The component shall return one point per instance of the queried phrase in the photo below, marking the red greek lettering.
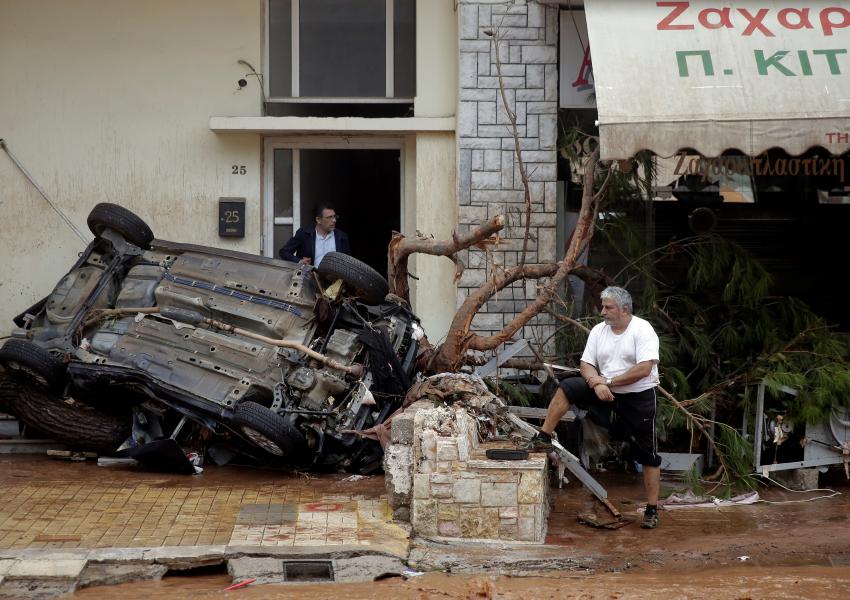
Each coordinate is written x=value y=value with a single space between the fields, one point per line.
x=802 y=18
x=829 y=25
x=666 y=24
x=756 y=22
x=725 y=18
x=584 y=71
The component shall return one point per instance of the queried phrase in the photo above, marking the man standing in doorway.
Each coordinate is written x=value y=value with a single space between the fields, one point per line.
x=310 y=244
x=619 y=365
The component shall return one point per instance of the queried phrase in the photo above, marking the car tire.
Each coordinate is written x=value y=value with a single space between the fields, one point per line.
x=506 y=454
x=366 y=281
x=267 y=429
x=77 y=425
x=124 y=222
x=33 y=365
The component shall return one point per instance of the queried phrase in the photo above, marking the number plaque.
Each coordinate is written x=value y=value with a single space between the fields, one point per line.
x=231 y=217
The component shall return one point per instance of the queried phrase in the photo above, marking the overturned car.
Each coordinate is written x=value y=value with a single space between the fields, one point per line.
x=145 y=339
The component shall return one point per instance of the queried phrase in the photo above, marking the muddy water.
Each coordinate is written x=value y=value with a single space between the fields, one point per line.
x=711 y=584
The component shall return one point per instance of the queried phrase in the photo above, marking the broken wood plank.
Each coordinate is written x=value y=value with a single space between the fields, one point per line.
x=528 y=412
x=71 y=454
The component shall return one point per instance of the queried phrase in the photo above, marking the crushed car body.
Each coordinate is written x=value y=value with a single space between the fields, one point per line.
x=275 y=360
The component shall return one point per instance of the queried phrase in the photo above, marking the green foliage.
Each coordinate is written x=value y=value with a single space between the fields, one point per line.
x=724 y=331
x=738 y=458
x=720 y=329
x=693 y=482
x=514 y=395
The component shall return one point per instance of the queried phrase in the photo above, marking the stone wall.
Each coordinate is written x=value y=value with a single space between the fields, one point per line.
x=456 y=492
x=488 y=177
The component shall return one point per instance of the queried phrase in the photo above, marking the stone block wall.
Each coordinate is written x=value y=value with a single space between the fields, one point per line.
x=526 y=39
x=457 y=493
x=398 y=460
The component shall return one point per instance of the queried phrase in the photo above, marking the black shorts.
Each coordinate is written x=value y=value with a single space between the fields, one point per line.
x=633 y=416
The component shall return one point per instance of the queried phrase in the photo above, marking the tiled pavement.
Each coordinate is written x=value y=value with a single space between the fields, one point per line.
x=77 y=510
x=82 y=506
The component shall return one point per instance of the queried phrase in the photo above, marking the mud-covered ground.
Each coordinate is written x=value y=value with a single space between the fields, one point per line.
x=738 y=583
x=795 y=545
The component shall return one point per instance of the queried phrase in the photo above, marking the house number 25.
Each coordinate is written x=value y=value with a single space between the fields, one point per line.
x=238 y=170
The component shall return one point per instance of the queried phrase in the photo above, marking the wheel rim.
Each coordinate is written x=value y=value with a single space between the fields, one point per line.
x=262 y=441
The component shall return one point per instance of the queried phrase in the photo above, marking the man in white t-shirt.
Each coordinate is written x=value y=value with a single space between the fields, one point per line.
x=619 y=365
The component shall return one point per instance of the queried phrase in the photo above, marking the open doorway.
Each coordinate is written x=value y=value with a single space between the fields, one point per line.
x=362 y=182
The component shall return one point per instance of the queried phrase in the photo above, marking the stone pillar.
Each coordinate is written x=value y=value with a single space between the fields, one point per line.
x=526 y=38
x=460 y=494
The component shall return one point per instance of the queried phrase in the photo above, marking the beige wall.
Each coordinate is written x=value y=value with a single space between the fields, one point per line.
x=437 y=57
x=434 y=203
x=433 y=294
x=109 y=101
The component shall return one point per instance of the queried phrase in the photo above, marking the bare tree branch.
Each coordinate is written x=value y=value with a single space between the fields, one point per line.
x=402 y=247
x=517 y=151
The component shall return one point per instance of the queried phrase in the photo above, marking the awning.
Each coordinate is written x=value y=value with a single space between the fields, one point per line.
x=713 y=76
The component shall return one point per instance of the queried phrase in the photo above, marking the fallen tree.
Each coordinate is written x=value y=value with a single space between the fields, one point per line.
x=633 y=178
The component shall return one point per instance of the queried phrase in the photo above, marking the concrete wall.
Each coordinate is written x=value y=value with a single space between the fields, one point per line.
x=435 y=210
x=109 y=101
x=433 y=203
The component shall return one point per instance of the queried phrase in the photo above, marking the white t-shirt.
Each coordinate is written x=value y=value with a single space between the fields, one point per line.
x=614 y=354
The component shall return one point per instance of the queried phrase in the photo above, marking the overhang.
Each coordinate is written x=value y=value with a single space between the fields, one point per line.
x=718 y=75
x=282 y=125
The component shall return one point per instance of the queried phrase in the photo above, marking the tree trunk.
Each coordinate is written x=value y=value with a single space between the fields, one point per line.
x=401 y=248
x=450 y=356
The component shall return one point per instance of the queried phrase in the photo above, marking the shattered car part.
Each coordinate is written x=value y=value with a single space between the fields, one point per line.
x=246 y=347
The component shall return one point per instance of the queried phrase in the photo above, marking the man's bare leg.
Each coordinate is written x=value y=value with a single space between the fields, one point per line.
x=652 y=484
x=558 y=407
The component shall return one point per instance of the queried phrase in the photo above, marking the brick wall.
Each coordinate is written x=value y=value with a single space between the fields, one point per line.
x=488 y=177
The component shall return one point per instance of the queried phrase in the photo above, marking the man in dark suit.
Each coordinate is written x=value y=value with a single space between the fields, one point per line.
x=310 y=244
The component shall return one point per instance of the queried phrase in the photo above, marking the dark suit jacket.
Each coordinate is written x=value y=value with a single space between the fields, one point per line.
x=303 y=244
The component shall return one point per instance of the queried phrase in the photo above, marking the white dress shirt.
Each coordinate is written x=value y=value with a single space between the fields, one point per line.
x=323 y=246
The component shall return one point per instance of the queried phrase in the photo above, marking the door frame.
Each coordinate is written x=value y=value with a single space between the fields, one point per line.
x=297 y=143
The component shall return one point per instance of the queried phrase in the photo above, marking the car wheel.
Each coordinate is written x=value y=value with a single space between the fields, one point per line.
x=124 y=222
x=267 y=429
x=31 y=364
x=78 y=425
x=366 y=281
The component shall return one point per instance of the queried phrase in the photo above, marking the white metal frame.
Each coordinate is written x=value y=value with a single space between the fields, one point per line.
x=314 y=143
x=389 y=55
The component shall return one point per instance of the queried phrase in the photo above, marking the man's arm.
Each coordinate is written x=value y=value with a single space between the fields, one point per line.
x=637 y=372
x=595 y=382
x=590 y=374
x=290 y=247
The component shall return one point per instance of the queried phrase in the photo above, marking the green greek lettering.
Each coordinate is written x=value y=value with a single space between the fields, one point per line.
x=682 y=60
x=831 y=59
x=774 y=61
x=805 y=64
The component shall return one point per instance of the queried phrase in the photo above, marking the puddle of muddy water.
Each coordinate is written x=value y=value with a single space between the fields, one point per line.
x=740 y=583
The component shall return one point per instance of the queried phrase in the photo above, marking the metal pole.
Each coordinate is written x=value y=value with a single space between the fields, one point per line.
x=40 y=191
